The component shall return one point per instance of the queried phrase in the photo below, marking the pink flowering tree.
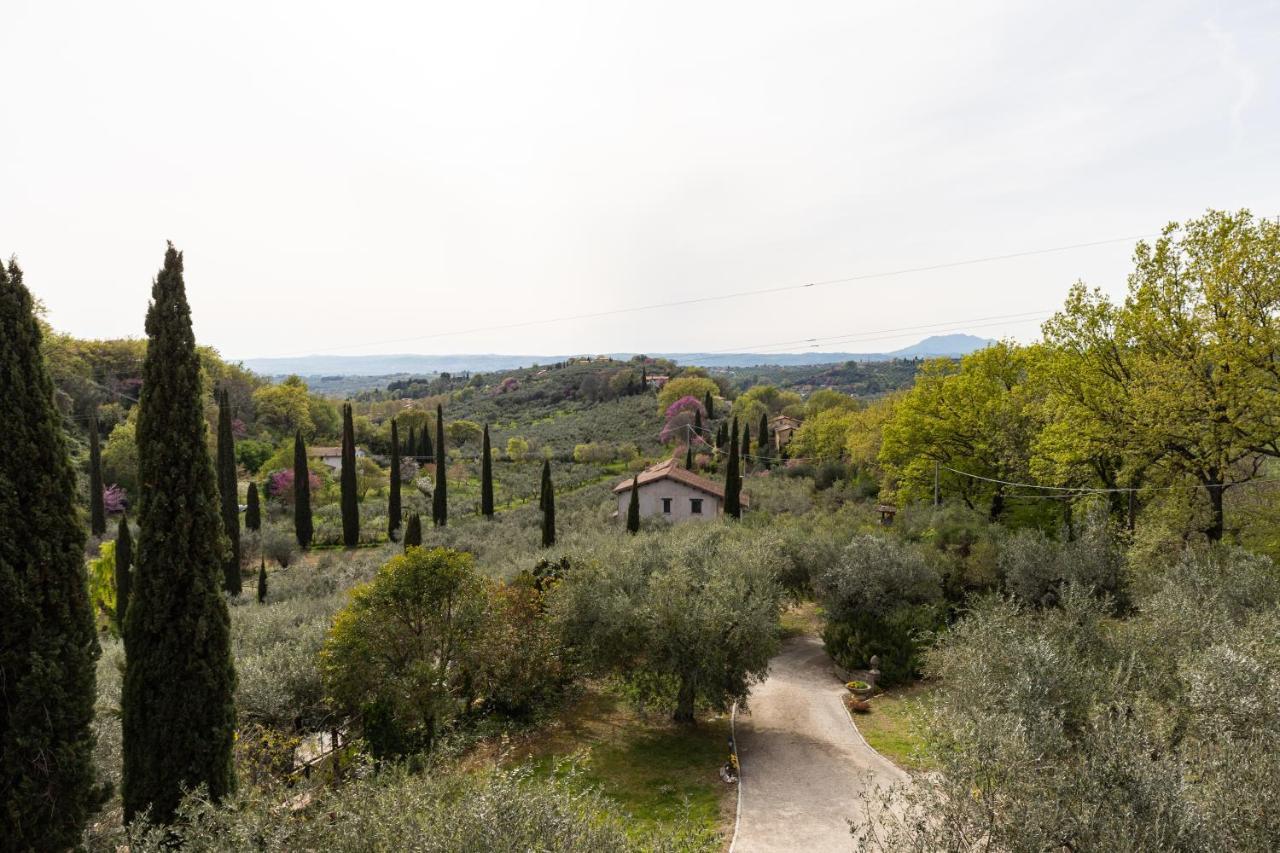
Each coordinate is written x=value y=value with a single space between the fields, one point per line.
x=680 y=419
x=280 y=484
x=114 y=499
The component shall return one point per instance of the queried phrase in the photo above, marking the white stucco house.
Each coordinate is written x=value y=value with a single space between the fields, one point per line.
x=674 y=493
x=331 y=456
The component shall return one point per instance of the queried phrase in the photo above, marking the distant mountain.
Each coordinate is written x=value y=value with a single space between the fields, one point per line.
x=937 y=346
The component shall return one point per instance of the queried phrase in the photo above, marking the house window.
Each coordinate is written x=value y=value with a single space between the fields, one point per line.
x=666 y=506
x=695 y=506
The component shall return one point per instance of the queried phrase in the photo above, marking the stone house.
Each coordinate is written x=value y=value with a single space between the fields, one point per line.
x=674 y=493
x=331 y=456
x=783 y=428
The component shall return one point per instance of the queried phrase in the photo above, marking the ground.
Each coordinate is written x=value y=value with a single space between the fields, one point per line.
x=891 y=729
x=803 y=764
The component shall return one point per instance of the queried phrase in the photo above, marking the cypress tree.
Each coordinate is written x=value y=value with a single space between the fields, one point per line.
x=732 y=480
x=764 y=449
x=97 y=505
x=411 y=445
x=124 y=564
x=252 y=509
x=486 y=476
x=746 y=441
x=633 y=506
x=688 y=455
x=350 y=509
x=426 y=451
x=179 y=681
x=697 y=423
x=413 y=532
x=301 y=493
x=48 y=646
x=393 y=498
x=709 y=404
x=440 y=495
x=229 y=492
x=547 y=500
x=262 y=581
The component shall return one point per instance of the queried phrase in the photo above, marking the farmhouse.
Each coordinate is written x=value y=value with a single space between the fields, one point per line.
x=783 y=427
x=674 y=493
x=331 y=456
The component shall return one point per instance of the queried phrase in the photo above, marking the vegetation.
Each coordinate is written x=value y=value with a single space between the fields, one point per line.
x=302 y=522
x=229 y=495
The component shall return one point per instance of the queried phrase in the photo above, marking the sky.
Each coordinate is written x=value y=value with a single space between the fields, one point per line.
x=428 y=177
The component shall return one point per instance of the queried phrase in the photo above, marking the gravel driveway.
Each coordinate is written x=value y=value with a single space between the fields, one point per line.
x=802 y=764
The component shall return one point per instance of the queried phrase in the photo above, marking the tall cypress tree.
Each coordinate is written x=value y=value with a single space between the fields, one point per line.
x=350 y=508
x=688 y=455
x=486 y=476
x=97 y=504
x=709 y=403
x=252 y=509
x=411 y=445
x=179 y=681
x=746 y=441
x=393 y=495
x=426 y=451
x=48 y=646
x=440 y=495
x=633 y=506
x=697 y=423
x=229 y=493
x=124 y=565
x=301 y=493
x=763 y=449
x=547 y=500
x=262 y=581
x=732 y=479
x=413 y=532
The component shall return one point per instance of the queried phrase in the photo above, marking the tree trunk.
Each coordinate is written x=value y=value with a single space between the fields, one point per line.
x=1216 y=526
x=684 y=702
x=997 y=504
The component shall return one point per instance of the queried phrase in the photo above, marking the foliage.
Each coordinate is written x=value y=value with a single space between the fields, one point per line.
x=102 y=585
x=393 y=654
x=97 y=512
x=120 y=457
x=279 y=544
x=114 y=500
x=880 y=598
x=350 y=506
x=681 y=417
x=302 y=523
x=685 y=386
x=1035 y=569
x=517 y=449
x=179 y=715
x=229 y=495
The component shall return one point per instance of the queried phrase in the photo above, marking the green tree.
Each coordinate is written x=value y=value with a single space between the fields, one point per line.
x=350 y=506
x=393 y=652
x=285 y=408
x=48 y=647
x=733 y=479
x=124 y=567
x=764 y=448
x=413 y=532
x=393 y=498
x=486 y=476
x=517 y=449
x=426 y=451
x=708 y=403
x=746 y=442
x=179 y=682
x=253 y=509
x=633 y=506
x=97 y=508
x=229 y=495
x=262 y=580
x=440 y=494
x=302 y=523
x=696 y=387
x=547 y=503
x=688 y=456
x=411 y=445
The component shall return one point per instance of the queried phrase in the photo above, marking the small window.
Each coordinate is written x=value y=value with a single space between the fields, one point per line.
x=666 y=506
x=695 y=506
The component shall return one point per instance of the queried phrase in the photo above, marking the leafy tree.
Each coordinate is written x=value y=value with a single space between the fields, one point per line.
x=124 y=567
x=696 y=387
x=517 y=449
x=350 y=507
x=285 y=408
x=229 y=495
x=120 y=456
x=463 y=432
x=633 y=507
x=688 y=616
x=486 y=476
x=301 y=493
x=393 y=497
x=440 y=495
x=733 y=479
x=97 y=510
x=253 y=509
x=392 y=655
x=47 y=642
x=547 y=503
x=413 y=532
x=179 y=682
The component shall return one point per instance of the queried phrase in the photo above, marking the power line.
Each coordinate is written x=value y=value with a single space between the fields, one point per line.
x=850 y=336
x=698 y=300
x=1091 y=490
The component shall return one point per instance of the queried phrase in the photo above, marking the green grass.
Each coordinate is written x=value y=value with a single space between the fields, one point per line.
x=656 y=771
x=892 y=730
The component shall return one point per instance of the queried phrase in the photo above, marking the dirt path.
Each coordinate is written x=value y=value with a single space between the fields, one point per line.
x=802 y=764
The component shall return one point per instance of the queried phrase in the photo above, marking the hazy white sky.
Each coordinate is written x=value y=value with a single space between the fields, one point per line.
x=349 y=177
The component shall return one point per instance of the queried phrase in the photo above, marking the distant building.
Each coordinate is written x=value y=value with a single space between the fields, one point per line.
x=674 y=493
x=656 y=380
x=331 y=456
x=783 y=427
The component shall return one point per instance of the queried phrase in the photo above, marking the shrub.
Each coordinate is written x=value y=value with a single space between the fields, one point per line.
x=279 y=544
x=1035 y=569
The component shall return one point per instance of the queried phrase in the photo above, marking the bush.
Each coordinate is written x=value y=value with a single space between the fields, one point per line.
x=880 y=598
x=1035 y=569
x=279 y=543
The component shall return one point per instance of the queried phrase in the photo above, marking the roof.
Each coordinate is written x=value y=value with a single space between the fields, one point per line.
x=788 y=418
x=324 y=451
x=671 y=470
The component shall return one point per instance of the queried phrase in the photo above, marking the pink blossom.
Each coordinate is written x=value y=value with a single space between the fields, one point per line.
x=280 y=484
x=114 y=499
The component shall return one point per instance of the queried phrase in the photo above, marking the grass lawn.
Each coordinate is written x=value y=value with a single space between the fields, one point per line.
x=799 y=620
x=890 y=729
x=656 y=771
